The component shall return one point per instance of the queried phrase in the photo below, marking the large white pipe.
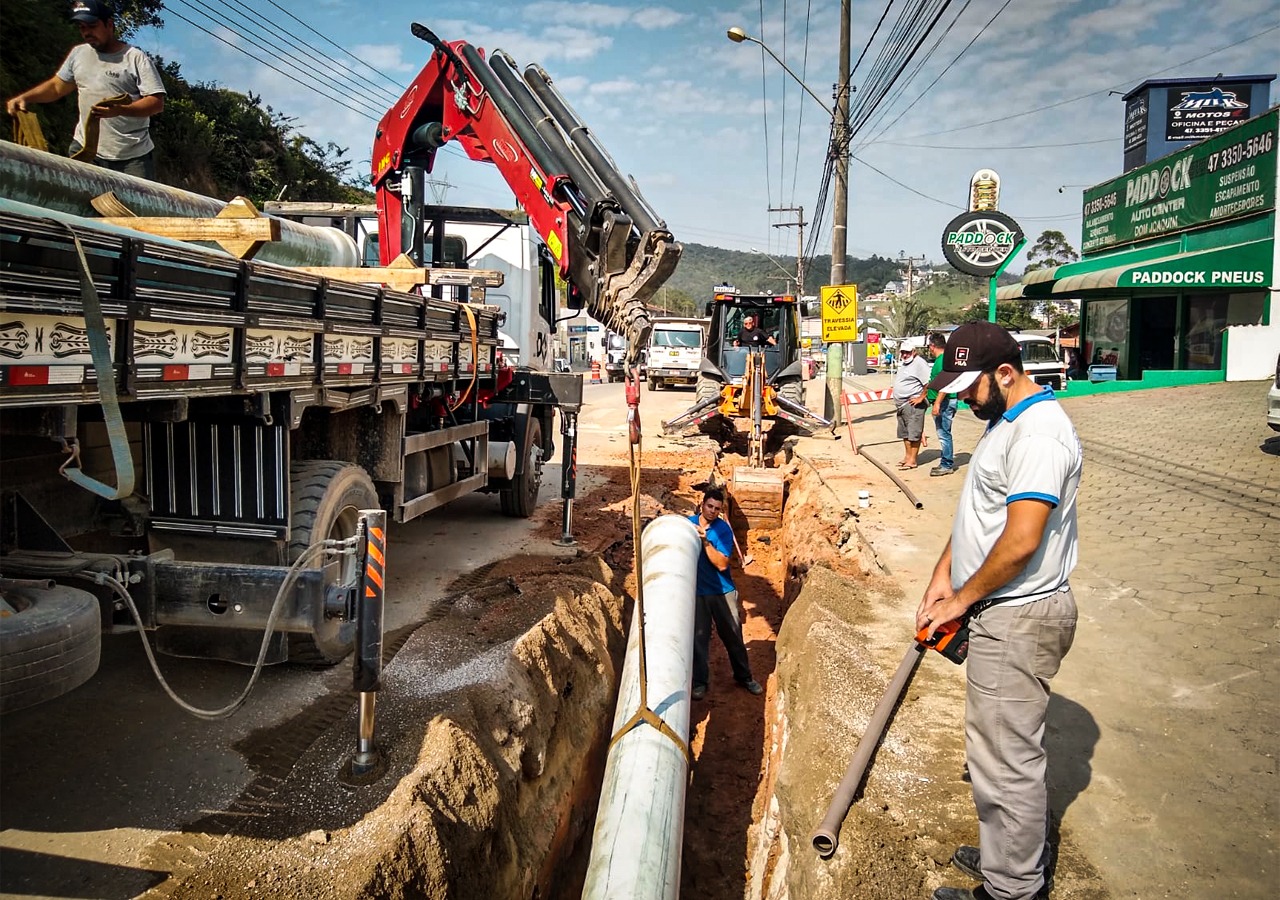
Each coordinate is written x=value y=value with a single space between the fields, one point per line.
x=635 y=851
x=66 y=185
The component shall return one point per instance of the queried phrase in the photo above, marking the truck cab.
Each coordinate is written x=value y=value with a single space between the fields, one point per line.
x=1040 y=360
x=675 y=352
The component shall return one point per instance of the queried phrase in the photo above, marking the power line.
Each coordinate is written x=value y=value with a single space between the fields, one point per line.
x=920 y=65
x=1005 y=147
x=903 y=184
x=1118 y=86
x=311 y=87
x=399 y=87
x=764 y=109
x=980 y=33
x=804 y=67
x=356 y=91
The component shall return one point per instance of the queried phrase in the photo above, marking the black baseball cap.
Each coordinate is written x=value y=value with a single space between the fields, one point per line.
x=90 y=11
x=971 y=350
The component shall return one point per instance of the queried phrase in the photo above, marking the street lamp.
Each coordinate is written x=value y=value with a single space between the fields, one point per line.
x=790 y=275
x=737 y=35
x=840 y=207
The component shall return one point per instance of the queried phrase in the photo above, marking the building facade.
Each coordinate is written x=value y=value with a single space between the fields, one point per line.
x=1179 y=264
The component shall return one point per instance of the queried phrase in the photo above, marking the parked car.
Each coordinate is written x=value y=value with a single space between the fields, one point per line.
x=1273 y=400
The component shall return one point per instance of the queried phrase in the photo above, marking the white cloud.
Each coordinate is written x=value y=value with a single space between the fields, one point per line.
x=385 y=57
x=589 y=15
x=617 y=87
x=654 y=18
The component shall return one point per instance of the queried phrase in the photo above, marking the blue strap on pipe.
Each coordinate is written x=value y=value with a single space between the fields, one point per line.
x=100 y=350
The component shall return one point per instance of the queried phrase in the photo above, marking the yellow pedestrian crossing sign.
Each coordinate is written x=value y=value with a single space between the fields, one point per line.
x=839 y=313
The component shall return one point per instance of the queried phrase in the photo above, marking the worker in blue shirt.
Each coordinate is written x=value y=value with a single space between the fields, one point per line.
x=717 y=598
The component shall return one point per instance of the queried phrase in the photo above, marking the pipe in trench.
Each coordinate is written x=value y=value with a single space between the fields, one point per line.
x=635 y=850
x=55 y=182
x=827 y=835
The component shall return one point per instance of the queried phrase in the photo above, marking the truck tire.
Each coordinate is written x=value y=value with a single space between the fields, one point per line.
x=326 y=499
x=521 y=498
x=652 y=383
x=51 y=645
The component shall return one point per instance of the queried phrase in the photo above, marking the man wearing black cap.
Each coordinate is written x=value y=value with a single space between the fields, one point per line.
x=120 y=89
x=1013 y=545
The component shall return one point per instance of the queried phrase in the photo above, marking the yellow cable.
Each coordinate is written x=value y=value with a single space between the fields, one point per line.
x=475 y=357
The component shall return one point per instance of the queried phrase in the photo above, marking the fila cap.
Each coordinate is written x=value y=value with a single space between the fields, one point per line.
x=971 y=350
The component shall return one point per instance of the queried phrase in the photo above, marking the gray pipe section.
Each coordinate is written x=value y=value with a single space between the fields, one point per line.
x=827 y=836
x=635 y=851
x=902 y=485
x=65 y=185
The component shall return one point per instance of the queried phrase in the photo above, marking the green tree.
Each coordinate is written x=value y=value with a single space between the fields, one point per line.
x=1015 y=314
x=1050 y=249
x=906 y=317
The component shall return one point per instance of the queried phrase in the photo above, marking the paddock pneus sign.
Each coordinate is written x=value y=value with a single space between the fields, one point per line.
x=979 y=243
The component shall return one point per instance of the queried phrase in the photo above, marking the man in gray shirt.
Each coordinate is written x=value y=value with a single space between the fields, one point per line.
x=910 y=399
x=105 y=68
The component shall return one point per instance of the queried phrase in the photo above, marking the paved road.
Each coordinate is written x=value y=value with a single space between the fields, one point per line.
x=1163 y=729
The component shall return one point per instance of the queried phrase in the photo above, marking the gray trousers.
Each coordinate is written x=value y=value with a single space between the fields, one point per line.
x=722 y=609
x=1013 y=653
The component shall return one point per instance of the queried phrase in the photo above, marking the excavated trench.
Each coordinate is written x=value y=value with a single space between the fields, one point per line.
x=494 y=718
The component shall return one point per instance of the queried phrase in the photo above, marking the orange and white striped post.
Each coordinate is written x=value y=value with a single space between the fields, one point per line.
x=595 y=372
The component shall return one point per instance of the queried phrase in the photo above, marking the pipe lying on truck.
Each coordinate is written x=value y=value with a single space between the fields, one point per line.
x=54 y=182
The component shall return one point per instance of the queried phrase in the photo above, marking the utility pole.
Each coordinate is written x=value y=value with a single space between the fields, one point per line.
x=910 y=261
x=840 y=213
x=800 y=223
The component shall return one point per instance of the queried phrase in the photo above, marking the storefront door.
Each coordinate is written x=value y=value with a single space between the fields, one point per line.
x=1156 y=328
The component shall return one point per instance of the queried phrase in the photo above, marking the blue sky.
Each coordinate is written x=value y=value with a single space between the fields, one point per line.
x=715 y=133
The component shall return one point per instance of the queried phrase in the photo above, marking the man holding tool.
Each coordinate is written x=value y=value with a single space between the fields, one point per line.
x=717 y=598
x=1013 y=545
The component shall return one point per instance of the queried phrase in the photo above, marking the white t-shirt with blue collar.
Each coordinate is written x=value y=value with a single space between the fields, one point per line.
x=1031 y=452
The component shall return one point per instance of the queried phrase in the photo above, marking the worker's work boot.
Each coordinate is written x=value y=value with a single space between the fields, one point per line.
x=969 y=861
x=954 y=893
x=977 y=893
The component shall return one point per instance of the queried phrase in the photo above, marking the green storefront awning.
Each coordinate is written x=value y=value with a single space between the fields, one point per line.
x=1013 y=291
x=1236 y=266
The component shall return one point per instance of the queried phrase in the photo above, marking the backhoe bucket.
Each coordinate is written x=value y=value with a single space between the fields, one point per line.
x=759 y=494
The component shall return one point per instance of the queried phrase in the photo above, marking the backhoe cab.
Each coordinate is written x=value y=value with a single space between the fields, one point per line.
x=756 y=386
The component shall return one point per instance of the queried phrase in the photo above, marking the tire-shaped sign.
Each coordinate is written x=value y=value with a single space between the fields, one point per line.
x=979 y=243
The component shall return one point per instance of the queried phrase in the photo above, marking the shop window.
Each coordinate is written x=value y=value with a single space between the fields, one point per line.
x=1106 y=339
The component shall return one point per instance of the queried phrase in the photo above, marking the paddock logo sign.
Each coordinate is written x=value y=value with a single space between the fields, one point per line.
x=980 y=243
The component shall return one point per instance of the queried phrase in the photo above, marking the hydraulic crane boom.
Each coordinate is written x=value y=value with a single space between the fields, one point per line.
x=610 y=247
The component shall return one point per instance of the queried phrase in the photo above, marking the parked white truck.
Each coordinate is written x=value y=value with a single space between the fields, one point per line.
x=675 y=351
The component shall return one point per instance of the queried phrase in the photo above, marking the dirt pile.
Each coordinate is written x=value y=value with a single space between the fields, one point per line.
x=490 y=718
